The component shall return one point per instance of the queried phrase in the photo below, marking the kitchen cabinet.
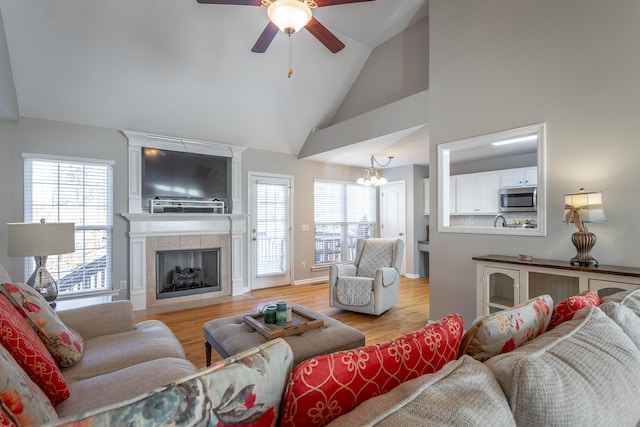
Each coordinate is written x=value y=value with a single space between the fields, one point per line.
x=426 y=196
x=505 y=281
x=520 y=177
x=477 y=193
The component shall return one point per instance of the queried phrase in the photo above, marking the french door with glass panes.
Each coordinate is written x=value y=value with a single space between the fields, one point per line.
x=270 y=229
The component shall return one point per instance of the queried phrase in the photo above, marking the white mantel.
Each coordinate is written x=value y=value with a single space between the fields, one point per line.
x=145 y=225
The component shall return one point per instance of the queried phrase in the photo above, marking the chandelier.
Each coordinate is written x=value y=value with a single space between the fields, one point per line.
x=372 y=175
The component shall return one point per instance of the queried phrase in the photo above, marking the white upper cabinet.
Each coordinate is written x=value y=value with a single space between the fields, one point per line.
x=520 y=177
x=477 y=193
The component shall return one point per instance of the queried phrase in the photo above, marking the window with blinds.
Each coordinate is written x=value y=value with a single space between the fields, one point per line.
x=342 y=213
x=78 y=191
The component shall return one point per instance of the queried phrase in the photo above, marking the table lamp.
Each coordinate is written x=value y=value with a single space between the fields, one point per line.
x=40 y=240
x=580 y=208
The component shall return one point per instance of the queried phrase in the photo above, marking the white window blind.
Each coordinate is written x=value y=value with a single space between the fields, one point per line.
x=272 y=228
x=342 y=213
x=61 y=190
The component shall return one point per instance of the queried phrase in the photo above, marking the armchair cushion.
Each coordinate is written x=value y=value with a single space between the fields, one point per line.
x=376 y=253
x=99 y=319
x=387 y=276
x=354 y=290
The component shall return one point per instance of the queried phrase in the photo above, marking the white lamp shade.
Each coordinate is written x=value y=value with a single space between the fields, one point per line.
x=289 y=14
x=588 y=204
x=40 y=239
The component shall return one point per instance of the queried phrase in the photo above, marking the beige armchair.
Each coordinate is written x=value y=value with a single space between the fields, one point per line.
x=369 y=285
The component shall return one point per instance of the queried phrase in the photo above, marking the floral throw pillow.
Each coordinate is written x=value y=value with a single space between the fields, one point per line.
x=242 y=390
x=325 y=387
x=508 y=329
x=22 y=400
x=568 y=307
x=26 y=348
x=64 y=344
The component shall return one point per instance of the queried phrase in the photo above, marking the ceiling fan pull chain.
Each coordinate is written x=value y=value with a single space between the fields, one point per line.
x=290 y=56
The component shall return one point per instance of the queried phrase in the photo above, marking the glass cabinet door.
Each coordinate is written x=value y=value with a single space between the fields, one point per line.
x=501 y=289
x=609 y=287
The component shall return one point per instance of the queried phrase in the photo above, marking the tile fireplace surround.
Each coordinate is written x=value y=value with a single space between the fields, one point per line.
x=149 y=233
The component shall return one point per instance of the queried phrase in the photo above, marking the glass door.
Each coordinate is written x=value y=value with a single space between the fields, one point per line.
x=270 y=231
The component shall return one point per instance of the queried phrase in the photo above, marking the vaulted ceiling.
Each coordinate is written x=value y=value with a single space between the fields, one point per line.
x=179 y=68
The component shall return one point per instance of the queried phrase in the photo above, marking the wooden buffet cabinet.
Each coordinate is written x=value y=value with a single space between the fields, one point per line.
x=506 y=281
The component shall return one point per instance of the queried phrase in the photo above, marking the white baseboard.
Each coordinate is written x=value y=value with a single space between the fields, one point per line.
x=412 y=276
x=311 y=281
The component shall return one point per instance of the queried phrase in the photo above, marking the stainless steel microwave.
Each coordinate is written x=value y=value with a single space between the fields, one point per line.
x=521 y=199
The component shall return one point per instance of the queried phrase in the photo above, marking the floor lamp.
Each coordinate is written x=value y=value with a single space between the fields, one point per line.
x=40 y=240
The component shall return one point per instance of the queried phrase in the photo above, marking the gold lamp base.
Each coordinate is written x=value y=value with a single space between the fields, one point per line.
x=584 y=242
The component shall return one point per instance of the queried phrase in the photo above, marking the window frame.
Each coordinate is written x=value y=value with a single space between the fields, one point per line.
x=347 y=231
x=104 y=230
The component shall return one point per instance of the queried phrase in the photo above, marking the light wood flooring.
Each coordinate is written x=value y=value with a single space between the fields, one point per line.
x=410 y=312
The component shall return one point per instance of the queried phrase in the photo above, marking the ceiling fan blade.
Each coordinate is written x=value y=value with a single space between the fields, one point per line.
x=234 y=2
x=322 y=3
x=325 y=36
x=265 y=39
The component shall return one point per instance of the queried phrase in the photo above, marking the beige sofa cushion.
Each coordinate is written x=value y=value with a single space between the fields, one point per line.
x=585 y=372
x=102 y=390
x=463 y=393
x=625 y=318
x=149 y=340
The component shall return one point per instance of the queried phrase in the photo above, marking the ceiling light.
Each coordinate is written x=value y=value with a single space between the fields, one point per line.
x=289 y=15
x=514 y=140
x=373 y=176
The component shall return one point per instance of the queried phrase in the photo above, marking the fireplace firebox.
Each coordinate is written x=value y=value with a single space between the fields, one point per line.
x=187 y=272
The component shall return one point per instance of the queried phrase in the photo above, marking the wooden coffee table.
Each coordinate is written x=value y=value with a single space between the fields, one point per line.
x=234 y=334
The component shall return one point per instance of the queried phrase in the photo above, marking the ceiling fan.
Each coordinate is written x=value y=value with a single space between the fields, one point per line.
x=290 y=16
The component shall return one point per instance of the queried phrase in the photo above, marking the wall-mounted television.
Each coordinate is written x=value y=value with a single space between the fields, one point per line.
x=170 y=174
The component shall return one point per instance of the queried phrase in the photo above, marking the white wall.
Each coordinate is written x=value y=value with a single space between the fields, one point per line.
x=60 y=139
x=573 y=64
x=394 y=70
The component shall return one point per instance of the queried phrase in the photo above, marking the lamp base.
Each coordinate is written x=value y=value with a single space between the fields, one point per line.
x=584 y=242
x=42 y=281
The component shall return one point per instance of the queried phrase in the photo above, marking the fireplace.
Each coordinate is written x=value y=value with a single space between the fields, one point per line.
x=187 y=272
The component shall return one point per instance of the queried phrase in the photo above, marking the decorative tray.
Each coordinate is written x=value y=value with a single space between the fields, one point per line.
x=300 y=322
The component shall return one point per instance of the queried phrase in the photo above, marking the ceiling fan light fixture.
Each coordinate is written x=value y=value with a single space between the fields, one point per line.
x=290 y=16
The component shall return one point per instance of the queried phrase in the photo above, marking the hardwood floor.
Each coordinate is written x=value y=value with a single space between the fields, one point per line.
x=410 y=312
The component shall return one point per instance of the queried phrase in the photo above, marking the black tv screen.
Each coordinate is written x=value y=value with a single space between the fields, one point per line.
x=179 y=175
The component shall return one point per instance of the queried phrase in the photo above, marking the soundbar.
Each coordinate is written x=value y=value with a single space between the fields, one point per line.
x=186 y=206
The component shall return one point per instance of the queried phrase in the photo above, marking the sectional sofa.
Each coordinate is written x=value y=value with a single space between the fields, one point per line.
x=573 y=363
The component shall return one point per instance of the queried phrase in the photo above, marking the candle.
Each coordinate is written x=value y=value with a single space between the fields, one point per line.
x=281 y=313
x=270 y=314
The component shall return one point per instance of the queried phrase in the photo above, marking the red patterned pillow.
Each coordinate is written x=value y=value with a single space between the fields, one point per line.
x=325 y=387
x=64 y=344
x=5 y=420
x=26 y=348
x=566 y=308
